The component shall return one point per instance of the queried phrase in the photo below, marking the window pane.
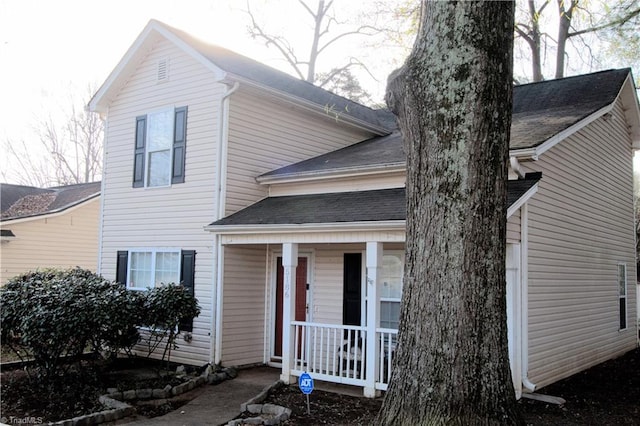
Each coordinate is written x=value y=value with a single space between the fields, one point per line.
x=392 y=270
x=389 y=314
x=159 y=168
x=167 y=268
x=159 y=130
x=140 y=269
x=622 y=279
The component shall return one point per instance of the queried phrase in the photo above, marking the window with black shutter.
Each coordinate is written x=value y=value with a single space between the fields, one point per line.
x=160 y=148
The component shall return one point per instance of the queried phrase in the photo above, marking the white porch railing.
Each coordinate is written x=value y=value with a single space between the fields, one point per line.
x=387 y=338
x=337 y=353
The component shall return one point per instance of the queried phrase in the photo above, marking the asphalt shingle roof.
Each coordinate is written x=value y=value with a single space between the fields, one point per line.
x=20 y=201
x=360 y=206
x=252 y=70
x=540 y=111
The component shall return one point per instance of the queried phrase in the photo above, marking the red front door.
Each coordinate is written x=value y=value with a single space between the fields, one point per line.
x=301 y=298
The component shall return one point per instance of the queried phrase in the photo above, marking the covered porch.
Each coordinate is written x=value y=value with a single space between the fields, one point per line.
x=310 y=311
x=312 y=283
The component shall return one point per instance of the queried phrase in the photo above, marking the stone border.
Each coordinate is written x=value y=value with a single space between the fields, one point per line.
x=270 y=414
x=118 y=409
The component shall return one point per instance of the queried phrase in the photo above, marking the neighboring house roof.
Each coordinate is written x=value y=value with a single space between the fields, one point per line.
x=359 y=206
x=541 y=111
x=20 y=201
x=230 y=66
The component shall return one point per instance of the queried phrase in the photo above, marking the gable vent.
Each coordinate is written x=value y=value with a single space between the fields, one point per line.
x=163 y=70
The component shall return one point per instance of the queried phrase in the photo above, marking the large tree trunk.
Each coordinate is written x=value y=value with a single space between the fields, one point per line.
x=453 y=102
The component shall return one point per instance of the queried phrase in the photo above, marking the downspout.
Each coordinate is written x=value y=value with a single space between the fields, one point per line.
x=215 y=355
x=102 y=185
x=524 y=280
x=516 y=167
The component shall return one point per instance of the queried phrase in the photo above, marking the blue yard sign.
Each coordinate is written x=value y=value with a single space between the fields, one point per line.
x=305 y=382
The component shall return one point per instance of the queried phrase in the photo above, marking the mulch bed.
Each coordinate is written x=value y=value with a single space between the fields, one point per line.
x=608 y=394
x=77 y=394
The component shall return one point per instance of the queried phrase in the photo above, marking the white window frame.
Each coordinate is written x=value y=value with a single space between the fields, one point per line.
x=622 y=294
x=147 y=150
x=400 y=255
x=154 y=252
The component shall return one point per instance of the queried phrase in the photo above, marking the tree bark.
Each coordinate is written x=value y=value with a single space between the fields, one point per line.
x=453 y=101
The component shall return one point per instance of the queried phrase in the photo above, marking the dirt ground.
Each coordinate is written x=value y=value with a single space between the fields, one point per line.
x=608 y=394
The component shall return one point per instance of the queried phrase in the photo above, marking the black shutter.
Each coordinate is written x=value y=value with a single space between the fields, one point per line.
x=187 y=277
x=138 y=159
x=121 y=267
x=352 y=289
x=179 y=145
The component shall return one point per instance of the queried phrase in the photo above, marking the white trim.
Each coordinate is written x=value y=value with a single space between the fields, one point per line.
x=150 y=35
x=528 y=386
x=171 y=111
x=387 y=225
x=127 y=65
x=538 y=150
x=631 y=107
x=624 y=296
x=154 y=251
x=346 y=172
x=308 y=105
x=522 y=200
x=272 y=257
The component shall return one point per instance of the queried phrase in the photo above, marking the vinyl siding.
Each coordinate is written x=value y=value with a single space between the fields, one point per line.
x=265 y=135
x=580 y=227
x=171 y=216
x=243 y=330
x=65 y=240
x=345 y=184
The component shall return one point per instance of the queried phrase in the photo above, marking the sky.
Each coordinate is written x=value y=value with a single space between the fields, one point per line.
x=53 y=50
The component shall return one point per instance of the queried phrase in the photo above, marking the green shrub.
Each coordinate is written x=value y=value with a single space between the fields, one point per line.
x=58 y=314
x=165 y=307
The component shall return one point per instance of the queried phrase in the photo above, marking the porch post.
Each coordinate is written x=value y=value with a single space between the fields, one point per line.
x=289 y=264
x=374 y=268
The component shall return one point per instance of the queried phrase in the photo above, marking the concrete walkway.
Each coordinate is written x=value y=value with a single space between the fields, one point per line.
x=217 y=404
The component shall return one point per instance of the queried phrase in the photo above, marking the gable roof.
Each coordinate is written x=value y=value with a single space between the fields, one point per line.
x=228 y=66
x=546 y=109
x=543 y=114
x=342 y=207
x=19 y=202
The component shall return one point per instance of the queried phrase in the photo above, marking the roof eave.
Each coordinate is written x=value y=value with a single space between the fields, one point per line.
x=536 y=151
x=631 y=107
x=324 y=110
x=385 y=225
x=49 y=214
x=522 y=200
x=331 y=174
x=127 y=65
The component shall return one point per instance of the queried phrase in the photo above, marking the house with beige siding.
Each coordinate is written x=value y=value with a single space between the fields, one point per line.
x=282 y=207
x=48 y=227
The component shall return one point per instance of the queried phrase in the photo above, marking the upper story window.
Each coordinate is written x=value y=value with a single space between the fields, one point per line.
x=160 y=144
